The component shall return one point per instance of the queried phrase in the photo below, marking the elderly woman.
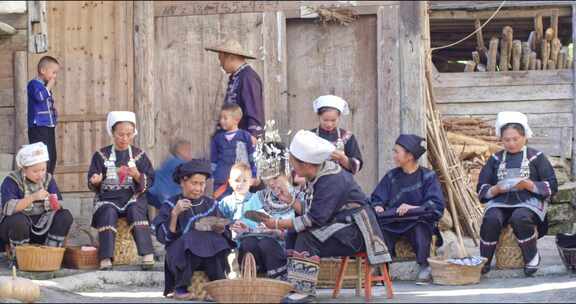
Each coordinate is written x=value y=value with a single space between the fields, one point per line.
x=329 y=109
x=120 y=174
x=515 y=185
x=187 y=248
x=333 y=220
x=266 y=245
x=31 y=212
x=409 y=202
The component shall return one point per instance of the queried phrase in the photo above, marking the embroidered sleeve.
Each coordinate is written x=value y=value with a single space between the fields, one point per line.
x=11 y=195
x=96 y=167
x=381 y=195
x=352 y=150
x=548 y=184
x=161 y=225
x=146 y=171
x=329 y=192
x=487 y=179
x=37 y=91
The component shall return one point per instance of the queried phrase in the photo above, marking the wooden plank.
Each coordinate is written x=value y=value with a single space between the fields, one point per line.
x=388 y=86
x=7 y=122
x=81 y=117
x=37 y=27
x=503 y=14
x=16 y=42
x=18 y=21
x=7 y=97
x=504 y=79
x=482 y=94
x=339 y=60
x=482 y=5
x=543 y=120
x=20 y=98
x=144 y=72
x=532 y=106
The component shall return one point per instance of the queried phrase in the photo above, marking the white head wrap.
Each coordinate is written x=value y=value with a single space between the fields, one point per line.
x=331 y=101
x=115 y=117
x=30 y=155
x=310 y=148
x=505 y=118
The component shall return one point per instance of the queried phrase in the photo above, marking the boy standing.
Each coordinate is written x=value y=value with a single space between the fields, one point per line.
x=42 y=116
x=229 y=146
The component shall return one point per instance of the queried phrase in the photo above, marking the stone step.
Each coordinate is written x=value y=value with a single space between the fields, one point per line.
x=566 y=193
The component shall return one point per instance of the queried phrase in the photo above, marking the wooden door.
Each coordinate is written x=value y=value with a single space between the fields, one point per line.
x=93 y=42
x=339 y=60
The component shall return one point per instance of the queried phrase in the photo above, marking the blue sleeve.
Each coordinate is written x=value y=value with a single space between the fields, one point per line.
x=433 y=195
x=161 y=225
x=53 y=188
x=214 y=152
x=250 y=151
x=225 y=209
x=381 y=195
x=10 y=190
x=37 y=91
x=487 y=178
x=329 y=192
x=251 y=94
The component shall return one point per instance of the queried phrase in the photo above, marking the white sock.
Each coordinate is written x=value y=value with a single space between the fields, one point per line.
x=535 y=261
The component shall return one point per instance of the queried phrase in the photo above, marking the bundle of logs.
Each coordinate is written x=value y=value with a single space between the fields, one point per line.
x=542 y=51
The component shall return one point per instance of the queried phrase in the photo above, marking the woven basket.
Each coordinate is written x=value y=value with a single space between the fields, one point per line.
x=329 y=268
x=508 y=253
x=248 y=289
x=76 y=258
x=568 y=256
x=405 y=252
x=125 y=252
x=199 y=279
x=37 y=258
x=444 y=273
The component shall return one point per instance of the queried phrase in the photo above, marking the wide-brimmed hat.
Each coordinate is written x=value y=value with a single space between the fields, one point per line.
x=231 y=46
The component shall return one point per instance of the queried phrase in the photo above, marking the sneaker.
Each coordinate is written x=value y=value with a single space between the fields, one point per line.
x=424 y=275
x=106 y=264
x=531 y=268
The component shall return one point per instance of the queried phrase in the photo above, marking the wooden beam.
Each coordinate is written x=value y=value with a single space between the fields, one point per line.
x=388 y=67
x=82 y=118
x=37 y=27
x=144 y=72
x=502 y=14
x=6 y=29
x=574 y=92
x=20 y=98
x=474 y=5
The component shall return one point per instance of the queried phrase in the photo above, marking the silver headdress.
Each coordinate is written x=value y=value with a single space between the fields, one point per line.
x=270 y=155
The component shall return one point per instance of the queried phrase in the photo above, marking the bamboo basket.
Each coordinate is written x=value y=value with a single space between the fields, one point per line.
x=125 y=252
x=508 y=253
x=444 y=273
x=199 y=279
x=76 y=258
x=329 y=268
x=37 y=258
x=248 y=289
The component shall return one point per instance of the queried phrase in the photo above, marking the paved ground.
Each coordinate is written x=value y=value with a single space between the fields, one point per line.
x=553 y=289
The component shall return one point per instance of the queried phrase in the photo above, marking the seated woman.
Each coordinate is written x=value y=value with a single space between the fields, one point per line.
x=409 y=202
x=30 y=211
x=188 y=249
x=120 y=174
x=515 y=185
x=347 y=154
x=266 y=245
x=333 y=220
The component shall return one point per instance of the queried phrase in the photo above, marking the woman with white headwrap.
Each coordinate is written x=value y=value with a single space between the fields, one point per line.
x=515 y=185
x=347 y=154
x=120 y=174
x=30 y=210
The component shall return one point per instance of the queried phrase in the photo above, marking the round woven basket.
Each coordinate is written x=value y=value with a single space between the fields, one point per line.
x=568 y=256
x=508 y=253
x=125 y=252
x=36 y=258
x=329 y=268
x=248 y=289
x=76 y=258
x=199 y=280
x=444 y=273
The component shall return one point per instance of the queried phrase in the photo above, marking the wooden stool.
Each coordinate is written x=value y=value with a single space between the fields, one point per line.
x=368 y=277
x=125 y=252
x=508 y=253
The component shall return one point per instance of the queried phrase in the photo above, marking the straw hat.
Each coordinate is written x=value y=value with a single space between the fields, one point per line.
x=231 y=46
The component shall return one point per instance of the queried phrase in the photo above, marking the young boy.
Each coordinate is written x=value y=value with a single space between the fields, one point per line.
x=229 y=146
x=42 y=116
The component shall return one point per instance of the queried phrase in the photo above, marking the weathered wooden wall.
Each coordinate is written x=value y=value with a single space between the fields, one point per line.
x=9 y=45
x=545 y=96
x=93 y=42
x=342 y=61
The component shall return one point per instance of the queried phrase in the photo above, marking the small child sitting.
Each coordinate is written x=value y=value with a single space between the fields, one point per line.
x=229 y=146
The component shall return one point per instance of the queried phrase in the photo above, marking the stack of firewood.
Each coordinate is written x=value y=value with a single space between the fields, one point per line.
x=542 y=51
x=471 y=126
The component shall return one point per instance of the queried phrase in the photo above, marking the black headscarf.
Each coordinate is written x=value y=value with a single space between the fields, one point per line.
x=414 y=144
x=195 y=166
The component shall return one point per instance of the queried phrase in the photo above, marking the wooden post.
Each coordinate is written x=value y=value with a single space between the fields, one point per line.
x=573 y=92
x=554 y=22
x=144 y=72
x=37 y=27
x=525 y=57
x=516 y=54
x=554 y=51
x=388 y=69
x=539 y=30
x=20 y=99
x=492 y=54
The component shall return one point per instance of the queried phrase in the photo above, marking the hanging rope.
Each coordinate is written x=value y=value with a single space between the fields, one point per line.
x=473 y=33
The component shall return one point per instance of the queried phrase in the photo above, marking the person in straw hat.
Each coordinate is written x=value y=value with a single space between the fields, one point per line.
x=121 y=174
x=515 y=186
x=334 y=218
x=244 y=85
x=30 y=209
